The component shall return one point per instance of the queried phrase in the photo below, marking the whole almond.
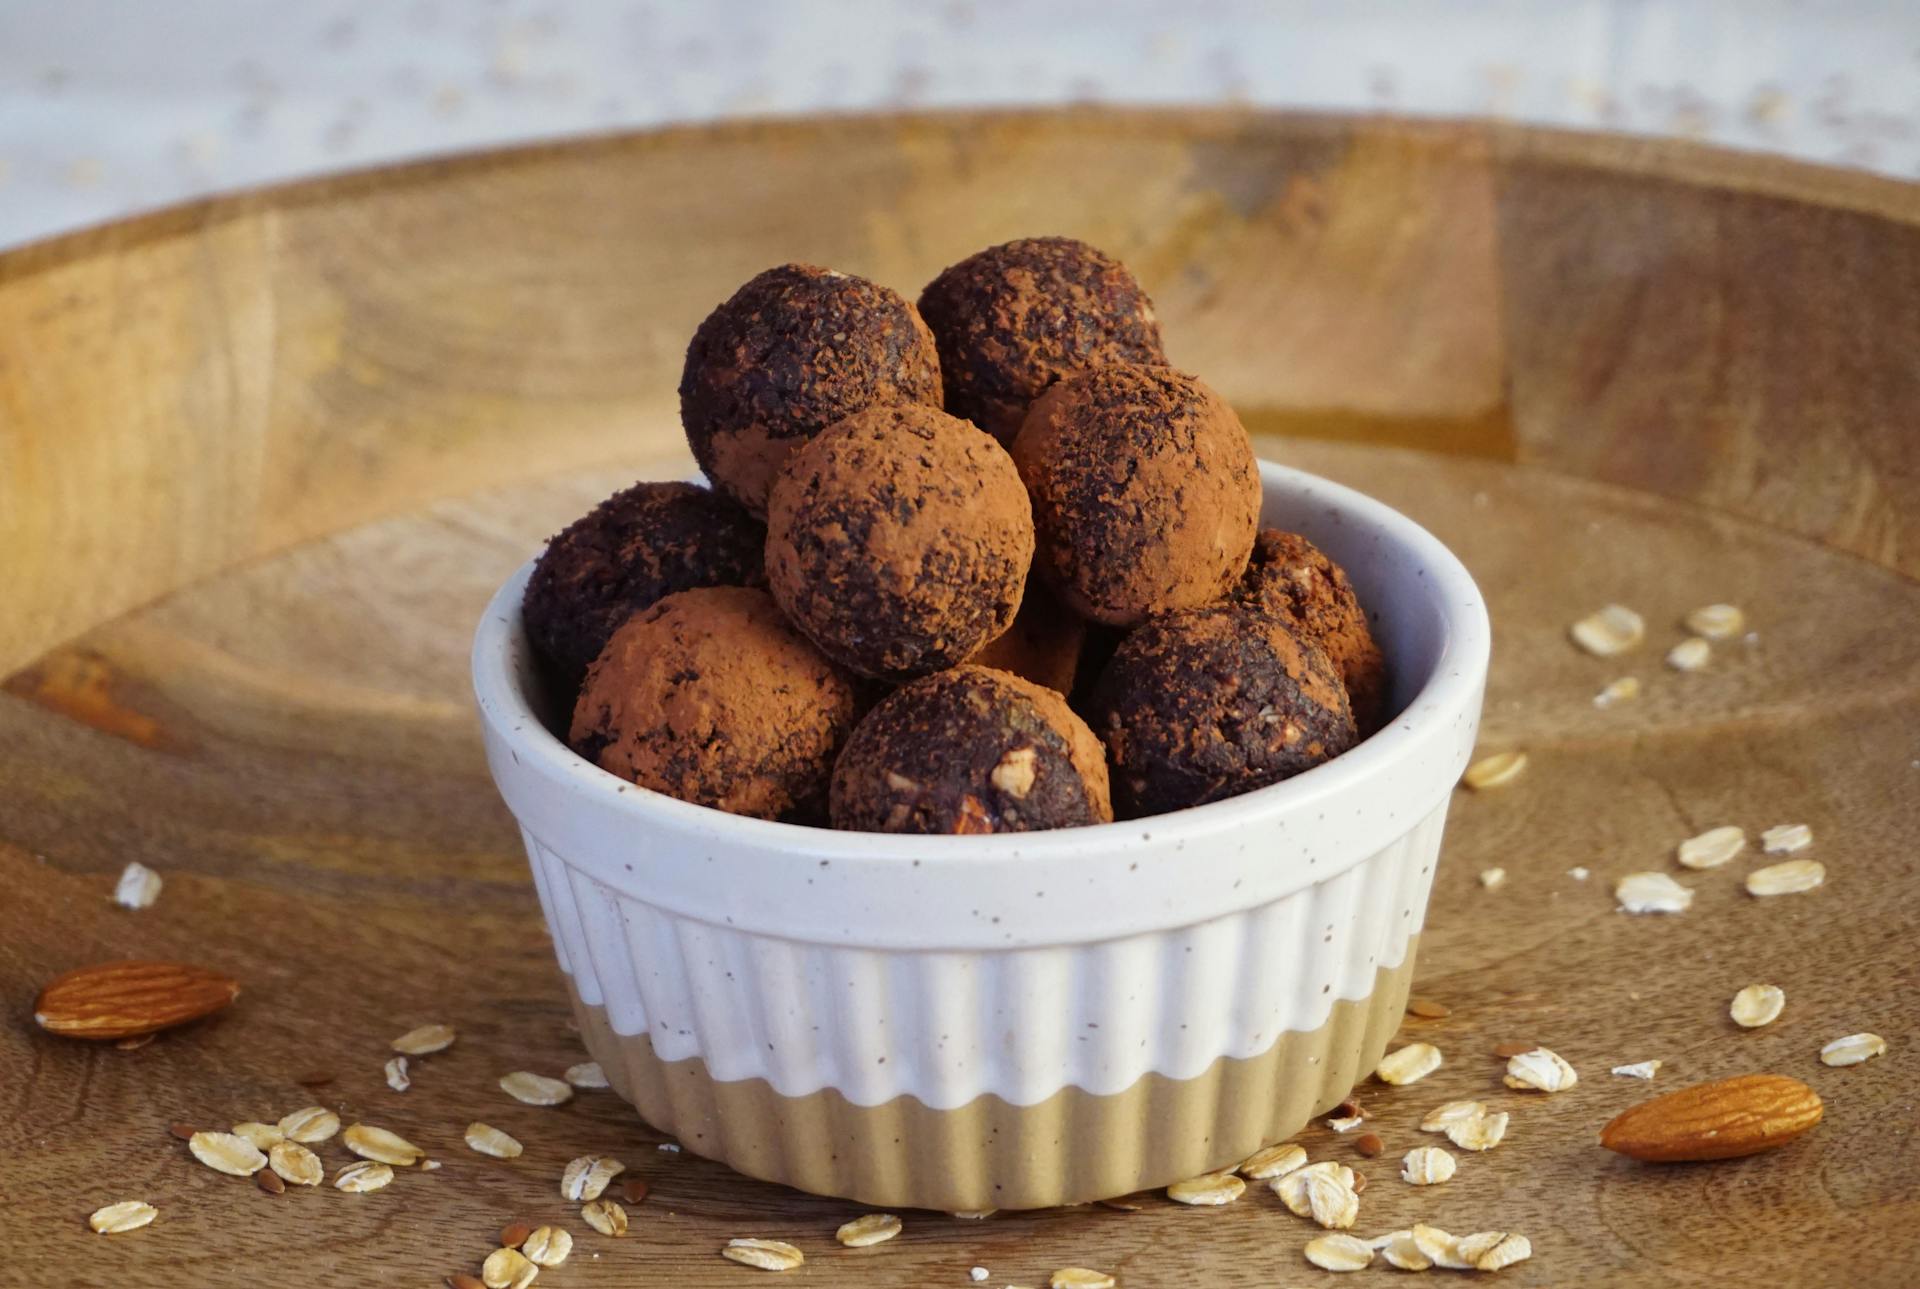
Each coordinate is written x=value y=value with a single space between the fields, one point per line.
x=125 y=999
x=1722 y=1120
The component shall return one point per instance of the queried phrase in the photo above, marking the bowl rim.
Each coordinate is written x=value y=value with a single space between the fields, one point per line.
x=1452 y=688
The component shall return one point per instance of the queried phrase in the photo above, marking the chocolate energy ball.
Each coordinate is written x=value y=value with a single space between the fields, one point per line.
x=1145 y=492
x=898 y=540
x=1015 y=318
x=709 y=696
x=1212 y=702
x=639 y=544
x=971 y=750
x=1043 y=644
x=1292 y=579
x=791 y=352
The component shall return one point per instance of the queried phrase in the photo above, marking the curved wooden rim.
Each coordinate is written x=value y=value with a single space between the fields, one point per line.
x=1698 y=164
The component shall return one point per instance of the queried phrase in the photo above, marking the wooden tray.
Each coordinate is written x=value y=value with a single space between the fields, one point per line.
x=262 y=459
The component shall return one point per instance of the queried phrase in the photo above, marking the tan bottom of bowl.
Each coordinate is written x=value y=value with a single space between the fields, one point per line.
x=987 y=1154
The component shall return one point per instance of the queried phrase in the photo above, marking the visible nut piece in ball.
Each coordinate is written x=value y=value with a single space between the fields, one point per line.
x=1213 y=702
x=1145 y=492
x=1015 y=318
x=709 y=696
x=1292 y=579
x=791 y=352
x=899 y=540
x=638 y=545
x=970 y=750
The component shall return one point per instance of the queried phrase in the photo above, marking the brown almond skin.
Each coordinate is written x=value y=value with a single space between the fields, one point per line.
x=123 y=999
x=1721 y=1120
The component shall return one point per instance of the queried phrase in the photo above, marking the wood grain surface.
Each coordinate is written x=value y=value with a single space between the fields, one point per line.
x=309 y=431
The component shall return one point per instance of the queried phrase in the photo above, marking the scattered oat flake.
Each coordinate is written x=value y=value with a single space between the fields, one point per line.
x=367 y=1175
x=1579 y=874
x=1623 y=690
x=380 y=1145
x=261 y=1135
x=397 y=1077
x=1451 y=1112
x=1690 y=655
x=669 y=1148
x=1492 y=1250
x=1651 y=893
x=293 y=1162
x=1713 y=847
x=1790 y=877
x=1338 y=1251
x=1638 y=1070
x=138 y=888
x=1274 y=1161
x=1716 y=621
x=127 y=1215
x=535 y=1089
x=1327 y=1197
x=489 y=1140
x=1345 y=1122
x=429 y=1165
x=1494 y=771
x=225 y=1153
x=1410 y=1064
x=605 y=1216
x=425 y=1040
x=1400 y=1251
x=1492 y=877
x=587 y=1177
x=768 y=1255
x=1439 y=1248
x=507 y=1269
x=868 y=1228
x=977 y=1274
x=1427 y=1166
x=547 y=1246
x=1852 y=1049
x=1785 y=839
x=1211 y=1189
x=587 y=1074
x=1080 y=1278
x=1541 y=1070
x=1757 y=1005
x=1609 y=632
x=312 y=1124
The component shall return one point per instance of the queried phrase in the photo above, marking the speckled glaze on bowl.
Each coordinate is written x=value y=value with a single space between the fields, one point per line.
x=966 y=1023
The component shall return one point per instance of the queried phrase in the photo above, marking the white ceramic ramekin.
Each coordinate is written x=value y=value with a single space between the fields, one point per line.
x=1010 y=1022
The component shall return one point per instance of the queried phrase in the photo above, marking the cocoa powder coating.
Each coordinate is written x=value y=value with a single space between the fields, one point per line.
x=1208 y=703
x=898 y=541
x=1145 y=492
x=638 y=545
x=1290 y=578
x=1015 y=318
x=970 y=750
x=793 y=351
x=1043 y=644
x=709 y=696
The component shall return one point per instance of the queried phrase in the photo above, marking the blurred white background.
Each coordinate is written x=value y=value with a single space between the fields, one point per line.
x=113 y=106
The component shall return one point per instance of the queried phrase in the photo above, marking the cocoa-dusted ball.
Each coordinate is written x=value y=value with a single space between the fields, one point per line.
x=898 y=540
x=970 y=750
x=709 y=696
x=639 y=544
x=1145 y=492
x=1208 y=703
x=1015 y=318
x=791 y=352
x=1043 y=644
x=1292 y=579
